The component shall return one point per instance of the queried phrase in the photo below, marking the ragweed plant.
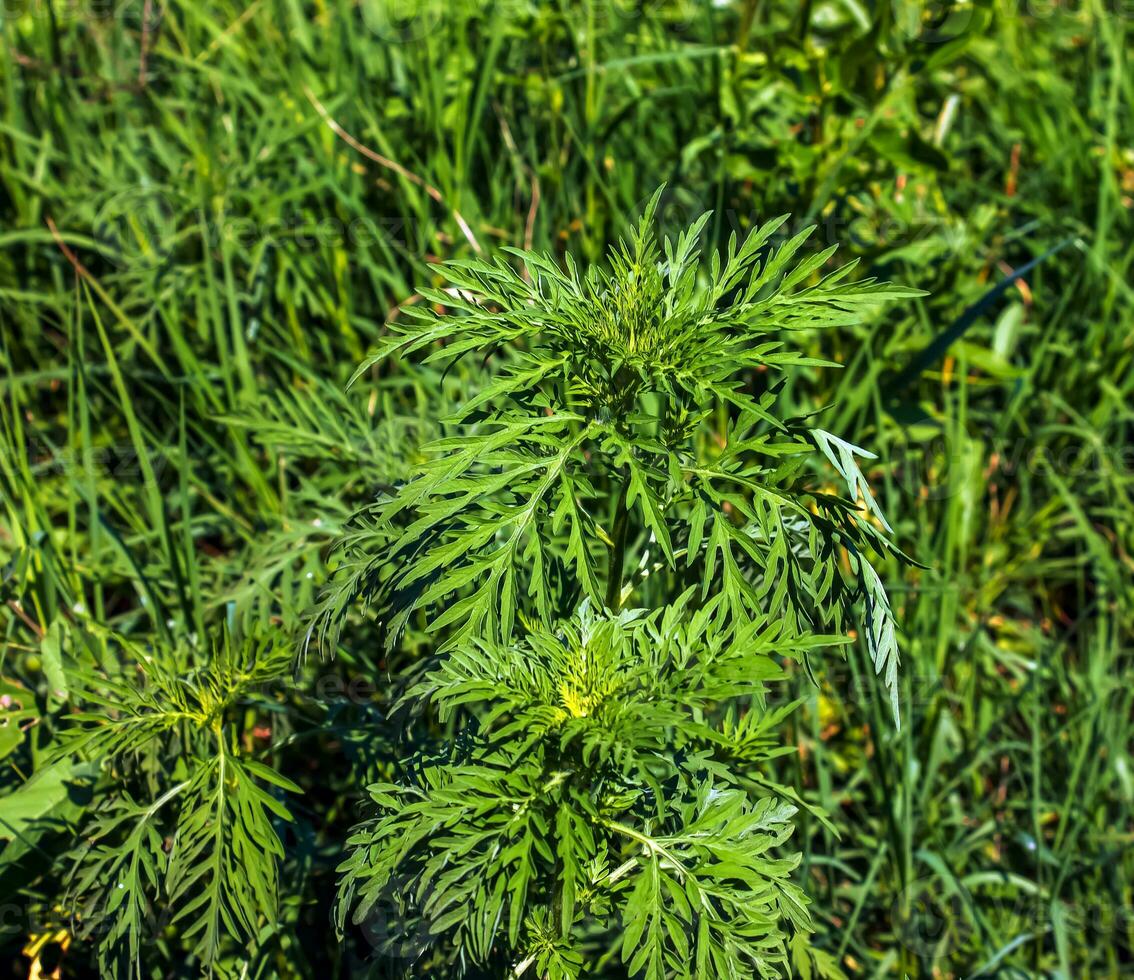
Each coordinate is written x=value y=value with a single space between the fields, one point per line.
x=615 y=549
x=184 y=831
x=593 y=809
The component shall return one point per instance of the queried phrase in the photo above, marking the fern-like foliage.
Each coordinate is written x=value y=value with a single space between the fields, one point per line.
x=201 y=852
x=623 y=448
x=613 y=551
x=593 y=788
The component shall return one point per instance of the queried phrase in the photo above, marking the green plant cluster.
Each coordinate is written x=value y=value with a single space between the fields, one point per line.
x=587 y=483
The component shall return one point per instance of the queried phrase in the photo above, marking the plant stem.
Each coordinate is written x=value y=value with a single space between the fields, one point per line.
x=618 y=552
x=556 y=921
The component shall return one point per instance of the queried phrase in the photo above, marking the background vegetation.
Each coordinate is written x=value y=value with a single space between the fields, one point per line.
x=211 y=210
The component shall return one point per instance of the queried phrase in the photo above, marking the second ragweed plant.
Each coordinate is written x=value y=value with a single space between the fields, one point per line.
x=615 y=552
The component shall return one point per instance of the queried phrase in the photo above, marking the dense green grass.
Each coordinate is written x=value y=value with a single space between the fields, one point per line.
x=210 y=215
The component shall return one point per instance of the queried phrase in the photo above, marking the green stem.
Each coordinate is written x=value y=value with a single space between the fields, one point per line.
x=617 y=552
x=658 y=851
x=556 y=921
